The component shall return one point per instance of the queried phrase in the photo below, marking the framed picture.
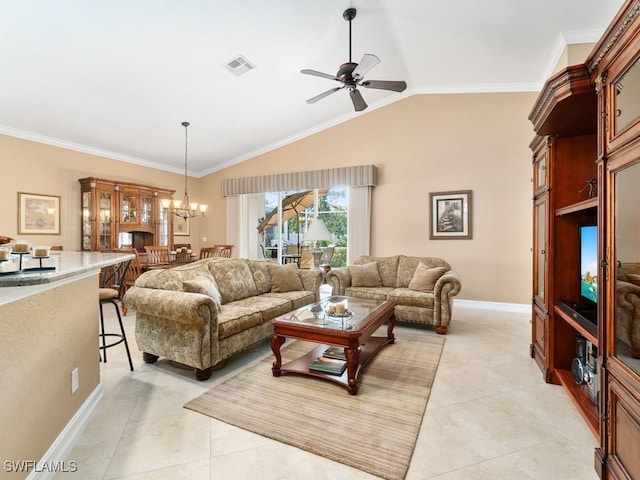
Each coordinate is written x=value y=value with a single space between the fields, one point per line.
x=450 y=215
x=180 y=226
x=38 y=214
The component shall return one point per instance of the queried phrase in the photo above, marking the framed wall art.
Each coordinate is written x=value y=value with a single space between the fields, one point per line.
x=450 y=215
x=180 y=226
x=38 y=214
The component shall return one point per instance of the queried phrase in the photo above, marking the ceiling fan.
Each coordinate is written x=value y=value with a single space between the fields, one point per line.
x=351 y=74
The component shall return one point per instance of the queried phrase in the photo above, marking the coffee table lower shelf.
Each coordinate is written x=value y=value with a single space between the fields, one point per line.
x=367 y=352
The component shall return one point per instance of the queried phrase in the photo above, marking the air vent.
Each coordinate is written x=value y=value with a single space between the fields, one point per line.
x=239 y=65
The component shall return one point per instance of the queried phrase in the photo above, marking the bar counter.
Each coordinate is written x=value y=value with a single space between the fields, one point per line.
x=68 y=265
x=48 y=330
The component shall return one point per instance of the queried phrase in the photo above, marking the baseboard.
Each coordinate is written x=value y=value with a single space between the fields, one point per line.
x=499 y=306
x=54 y=460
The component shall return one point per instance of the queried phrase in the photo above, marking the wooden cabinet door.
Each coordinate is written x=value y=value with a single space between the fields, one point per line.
x=539 y=336
x=540 y=256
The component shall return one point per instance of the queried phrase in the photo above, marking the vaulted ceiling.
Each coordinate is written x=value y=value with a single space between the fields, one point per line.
x=118 y=77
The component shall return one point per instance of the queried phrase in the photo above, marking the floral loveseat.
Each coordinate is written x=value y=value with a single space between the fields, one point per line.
x=421 y=287
x=204 y=312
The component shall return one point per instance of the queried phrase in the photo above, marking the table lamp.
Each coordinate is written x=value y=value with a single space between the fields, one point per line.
x=317 y=232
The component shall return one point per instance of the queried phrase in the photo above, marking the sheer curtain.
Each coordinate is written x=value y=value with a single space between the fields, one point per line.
x=359 y=222
x=243 y=212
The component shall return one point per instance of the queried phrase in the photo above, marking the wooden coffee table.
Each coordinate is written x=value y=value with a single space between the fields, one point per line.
x=352 y=332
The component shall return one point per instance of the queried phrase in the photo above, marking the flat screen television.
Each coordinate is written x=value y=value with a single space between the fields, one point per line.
x=589 y=264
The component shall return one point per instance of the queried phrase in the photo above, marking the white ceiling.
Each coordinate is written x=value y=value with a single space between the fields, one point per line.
x=118 y=77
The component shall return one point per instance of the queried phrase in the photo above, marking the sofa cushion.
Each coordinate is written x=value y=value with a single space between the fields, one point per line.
x=365 y=275
x=407 y=266
x=425 y=277
x=633 y=278
x=269 y=307
x=204 y=286
x=387 y=268
x=234 y=279
x=297 y=298
x=374 y=293
x=233 y=319
x=411 y=298
x=285 y=278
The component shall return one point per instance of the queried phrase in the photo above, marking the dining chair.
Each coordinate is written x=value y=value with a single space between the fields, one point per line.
x=224 y=251
x=157 y=254
x=112 y=287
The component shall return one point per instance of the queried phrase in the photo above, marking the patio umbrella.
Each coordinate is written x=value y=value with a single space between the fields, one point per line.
x=292 y=205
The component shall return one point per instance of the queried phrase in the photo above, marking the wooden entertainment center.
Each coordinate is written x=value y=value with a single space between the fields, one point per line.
x=586 y=177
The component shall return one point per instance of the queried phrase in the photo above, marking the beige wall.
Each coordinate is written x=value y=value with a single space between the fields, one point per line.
x=38 y=168
x=429 y=143
x=42 y=339
x=422 y=144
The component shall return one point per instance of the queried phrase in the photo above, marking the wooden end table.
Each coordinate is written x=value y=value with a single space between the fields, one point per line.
x=352 y=332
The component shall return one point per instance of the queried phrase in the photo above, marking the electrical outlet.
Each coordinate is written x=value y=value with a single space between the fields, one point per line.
x=74 y=380
x=204 y=239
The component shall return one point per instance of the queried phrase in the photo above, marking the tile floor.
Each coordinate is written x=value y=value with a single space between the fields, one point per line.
x=490 y=416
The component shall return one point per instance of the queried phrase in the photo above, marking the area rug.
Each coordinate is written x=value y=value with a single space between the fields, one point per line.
x=374 y=431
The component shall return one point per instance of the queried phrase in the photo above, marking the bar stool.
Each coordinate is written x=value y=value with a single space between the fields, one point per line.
x=112 y=287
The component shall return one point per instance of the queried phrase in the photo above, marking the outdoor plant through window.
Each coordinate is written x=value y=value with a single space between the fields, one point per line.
x=332 y=210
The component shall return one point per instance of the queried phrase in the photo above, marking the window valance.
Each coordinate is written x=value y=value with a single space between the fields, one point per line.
x=357 y=176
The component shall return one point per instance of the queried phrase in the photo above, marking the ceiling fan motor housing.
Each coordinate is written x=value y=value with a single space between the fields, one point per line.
x=345 y=71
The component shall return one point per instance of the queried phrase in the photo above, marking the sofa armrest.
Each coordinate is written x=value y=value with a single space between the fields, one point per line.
x=182 y=307
x=339 y=279
x=447 y=287
x=311 y=281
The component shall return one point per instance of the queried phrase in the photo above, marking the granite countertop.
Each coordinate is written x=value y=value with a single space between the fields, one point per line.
x=67 y=265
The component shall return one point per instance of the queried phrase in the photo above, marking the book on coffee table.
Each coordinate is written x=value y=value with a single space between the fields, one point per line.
x=328 y=365
x=335 y=352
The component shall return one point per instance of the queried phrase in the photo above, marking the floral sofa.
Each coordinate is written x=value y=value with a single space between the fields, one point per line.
x=628 y=306
x=204 y=312
x=421 y=287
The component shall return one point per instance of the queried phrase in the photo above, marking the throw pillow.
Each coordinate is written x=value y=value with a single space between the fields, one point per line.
x=425 y=277
x=634 y=278
x=285 y=278
x=365 y=275
x=204 y=286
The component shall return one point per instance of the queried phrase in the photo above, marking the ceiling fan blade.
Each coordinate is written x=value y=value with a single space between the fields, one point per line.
x=319 y=74
x=358 y=102
x=385 y=85
x=367 y=63
x=322 y=95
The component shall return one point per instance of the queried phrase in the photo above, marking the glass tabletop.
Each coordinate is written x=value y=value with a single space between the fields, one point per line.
x=335 y=313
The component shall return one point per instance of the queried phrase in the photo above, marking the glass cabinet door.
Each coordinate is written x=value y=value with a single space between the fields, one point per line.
x=146 y=211
x=129 y=208
x=627 y=98
x=627 y=266
x=163 y=225
x=86 y=221
x=105 y=202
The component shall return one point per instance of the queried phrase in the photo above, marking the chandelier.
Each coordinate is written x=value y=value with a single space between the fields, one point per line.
x=184 y=208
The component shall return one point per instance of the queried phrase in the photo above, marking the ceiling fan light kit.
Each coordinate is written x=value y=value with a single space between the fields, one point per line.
x=351 y=74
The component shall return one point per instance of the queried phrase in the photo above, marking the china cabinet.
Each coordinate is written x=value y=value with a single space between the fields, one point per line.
x=122 y=214
x=586 y=245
